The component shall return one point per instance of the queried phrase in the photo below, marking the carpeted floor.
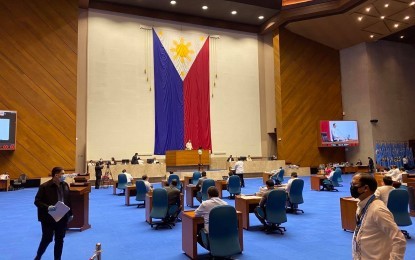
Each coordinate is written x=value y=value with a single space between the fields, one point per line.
x=123 y=233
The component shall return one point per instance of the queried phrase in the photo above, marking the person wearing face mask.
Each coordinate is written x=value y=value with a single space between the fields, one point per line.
x=48 y=195
x=376 y=235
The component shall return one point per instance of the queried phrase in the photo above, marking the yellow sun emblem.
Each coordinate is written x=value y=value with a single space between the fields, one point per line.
x=182 y=50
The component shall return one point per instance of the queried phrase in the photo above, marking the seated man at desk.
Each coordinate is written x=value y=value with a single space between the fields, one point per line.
x=239 y=170
x=260 y=210
x=199 y=187
x=173 y=194
x=135 y=158
x=382 y=192
x=294 y=176
x=204 y=209
x=149 y=187
x=130 y=178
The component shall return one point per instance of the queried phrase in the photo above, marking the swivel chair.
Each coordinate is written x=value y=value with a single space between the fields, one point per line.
x=122 y=183
x=398 y=204
x=295 y=196
x=275 y=213
x=234 y=186
x=160 y=208
x=196 y=177
x=141 y=193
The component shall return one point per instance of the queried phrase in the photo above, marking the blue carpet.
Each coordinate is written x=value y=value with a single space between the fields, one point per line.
x=124 y=234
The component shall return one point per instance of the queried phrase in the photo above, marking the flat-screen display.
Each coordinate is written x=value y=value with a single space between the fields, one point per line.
x=8 y=130
x=338 y=133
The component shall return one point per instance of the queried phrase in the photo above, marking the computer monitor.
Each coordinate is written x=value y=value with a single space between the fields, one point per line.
x=150 y=161
x=125 y=161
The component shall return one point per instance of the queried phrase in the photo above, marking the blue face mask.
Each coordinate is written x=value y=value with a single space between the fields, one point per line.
x=62 y=178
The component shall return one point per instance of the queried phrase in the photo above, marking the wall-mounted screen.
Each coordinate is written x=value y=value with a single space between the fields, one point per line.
x=8 y=130
x=338 y=133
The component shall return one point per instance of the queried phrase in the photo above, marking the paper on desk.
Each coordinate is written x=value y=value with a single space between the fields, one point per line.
x=61 y=210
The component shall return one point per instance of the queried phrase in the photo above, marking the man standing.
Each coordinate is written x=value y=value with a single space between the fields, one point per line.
x=239 y=170
x=376 y=235
x=48 y=195
x=371 y=165
x=405 y=163
x=189 y=145
x=98 y=173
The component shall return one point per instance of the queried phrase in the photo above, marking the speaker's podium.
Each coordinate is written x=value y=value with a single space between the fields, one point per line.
x=80 y=207
x=186 y=159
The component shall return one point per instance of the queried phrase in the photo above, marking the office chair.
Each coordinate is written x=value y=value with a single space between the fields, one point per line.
x=122 y=183
x=160 y=208
x=279 y=178
x=141 y=193
x=205 y=186
x=223 y=237
x=398 y=204
x=234 y=186
x=196 y=177
x=295 y=196
x=175 y=177
x=337 y=178
x=275 y=213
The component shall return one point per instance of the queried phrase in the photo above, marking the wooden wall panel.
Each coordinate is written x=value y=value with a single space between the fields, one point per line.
x=38 y=68
x=309 y=91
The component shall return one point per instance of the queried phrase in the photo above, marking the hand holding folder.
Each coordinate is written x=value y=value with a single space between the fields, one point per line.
x=60 y=210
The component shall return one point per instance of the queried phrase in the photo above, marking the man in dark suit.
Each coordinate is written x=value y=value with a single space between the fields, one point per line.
x=199 y=186
x=135 y=159
x=48 y=195
x=230 y=159
x=173 y=194
x=98 y=173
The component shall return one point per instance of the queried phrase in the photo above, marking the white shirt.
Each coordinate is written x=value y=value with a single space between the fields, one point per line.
x=148 y=186
x=379 y=237
x=189 y=146
x=249 y=159
x=394 y=174
x=405 y=160
x=130 y=178
x=336 y=135
x=382 y=193
x=204 y=209
x=239 y=167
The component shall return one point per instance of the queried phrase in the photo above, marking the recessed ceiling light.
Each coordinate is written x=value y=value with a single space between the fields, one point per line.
x=205 y=7
x=260 y=17
x=360 y=18
x=412 y=3
x=367 y=9
x=172 y=2
x=402 y=37
x=396 y=25
x=234 y=12
x=406 y=17
x=372 y=36
x=386 y=5
x=382 y=17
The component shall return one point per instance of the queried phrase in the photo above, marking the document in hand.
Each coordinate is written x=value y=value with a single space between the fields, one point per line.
x=61 y=210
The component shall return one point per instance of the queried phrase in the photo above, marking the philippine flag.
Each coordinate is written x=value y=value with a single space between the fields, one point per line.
x=181 y=83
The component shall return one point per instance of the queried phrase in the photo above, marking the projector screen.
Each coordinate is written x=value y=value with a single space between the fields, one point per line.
x=338 y=133
x=8 y=130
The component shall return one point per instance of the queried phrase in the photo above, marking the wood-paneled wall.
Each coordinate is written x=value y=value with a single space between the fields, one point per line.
x=307 y=90
x=38 y=67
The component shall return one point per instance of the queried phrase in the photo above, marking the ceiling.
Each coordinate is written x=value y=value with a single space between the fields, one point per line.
x=354 y=24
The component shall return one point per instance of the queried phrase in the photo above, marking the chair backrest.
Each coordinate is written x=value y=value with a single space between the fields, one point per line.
x=275 y=207
x=173 y=177
x=160 y=203
x=122 y=181
x=23 y=178
x=196 y=177
x=296 y=191
x=281 y=175
x=398 y=202
x=336 y=176
x=234 y=184
x=339 y=175
x=205 y=186
x=141 y=190
x=223 y=231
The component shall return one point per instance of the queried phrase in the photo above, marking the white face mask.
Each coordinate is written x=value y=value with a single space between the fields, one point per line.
x=62 y=178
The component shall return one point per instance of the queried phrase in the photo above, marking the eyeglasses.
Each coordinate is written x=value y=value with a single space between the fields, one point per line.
x=357 y=186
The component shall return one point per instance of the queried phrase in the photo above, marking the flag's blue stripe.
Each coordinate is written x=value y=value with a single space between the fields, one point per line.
x=168 y=85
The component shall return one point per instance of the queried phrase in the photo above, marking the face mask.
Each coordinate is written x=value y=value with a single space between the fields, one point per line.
x=354 y=192
x=62 y=178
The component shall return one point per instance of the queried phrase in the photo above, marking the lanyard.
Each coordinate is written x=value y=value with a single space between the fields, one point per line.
x=362 y=214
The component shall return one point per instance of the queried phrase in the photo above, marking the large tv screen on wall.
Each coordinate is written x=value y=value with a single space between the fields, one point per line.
x=8 y=130
x=338 y=133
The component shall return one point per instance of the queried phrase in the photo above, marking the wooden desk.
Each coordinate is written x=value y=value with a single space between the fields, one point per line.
x=80 y=207
x=187 y=158
x=187 y=180
x=5 y=184
x=191 y=226
x=348 y=206
x=379 y=179
x=221 y=185
x=316 y=182
x=129 y=191
x=246 y=205
x=149 y=205
x=191 y=191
